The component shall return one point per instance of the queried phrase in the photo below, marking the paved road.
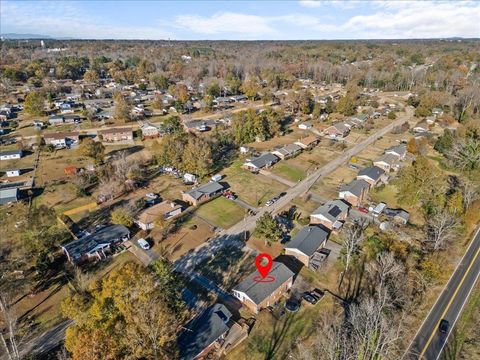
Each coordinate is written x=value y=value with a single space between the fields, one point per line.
x=428 y=343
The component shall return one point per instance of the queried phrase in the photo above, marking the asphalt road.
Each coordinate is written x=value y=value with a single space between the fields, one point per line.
x=428 y=343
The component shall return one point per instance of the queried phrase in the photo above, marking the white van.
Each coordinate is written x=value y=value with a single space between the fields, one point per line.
x=217 y=177
x=143 y=244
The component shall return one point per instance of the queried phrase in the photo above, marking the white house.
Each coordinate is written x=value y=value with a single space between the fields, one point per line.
x=11 y=154
x=305 y=126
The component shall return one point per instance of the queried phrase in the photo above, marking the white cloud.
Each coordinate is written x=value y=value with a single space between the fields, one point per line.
x=64 y=19
x=226 y=22
x=311 y=3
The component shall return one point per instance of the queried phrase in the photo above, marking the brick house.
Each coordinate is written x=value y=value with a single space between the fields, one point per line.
x=373 y=175
x=150 y=131
x=354 y=192
x=61 y=139
x=116 y=134
x=332 y=214
x=308 y=142
x=337 y=131
x=166 y=210
x=202 y=193
x=305 y=246
x=387 y=162
x=257 y=295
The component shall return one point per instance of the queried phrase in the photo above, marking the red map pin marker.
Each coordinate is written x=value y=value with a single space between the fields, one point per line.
x=263 y=269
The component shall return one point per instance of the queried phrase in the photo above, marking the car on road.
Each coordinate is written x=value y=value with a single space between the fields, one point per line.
x=143 y=244
x=272 y=201
x=444 y=326
x=363 y=210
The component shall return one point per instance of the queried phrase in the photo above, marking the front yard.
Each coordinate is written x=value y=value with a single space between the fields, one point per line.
x=221 y=212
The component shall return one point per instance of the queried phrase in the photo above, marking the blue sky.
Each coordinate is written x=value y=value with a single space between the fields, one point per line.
x=242 y=20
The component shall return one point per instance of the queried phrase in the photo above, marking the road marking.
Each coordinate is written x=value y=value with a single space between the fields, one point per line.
x=449 y=303
x=440 y=295
x=458 y=315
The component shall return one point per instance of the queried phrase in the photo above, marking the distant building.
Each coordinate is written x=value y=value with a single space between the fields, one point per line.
x=150 y=131
x=11 y=154
x=116 y=134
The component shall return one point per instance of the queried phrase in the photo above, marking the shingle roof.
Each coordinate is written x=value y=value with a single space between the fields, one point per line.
x=308 y=240
x=209 y=188
x=389 y=159
x=203 y=330
x=105 y=235
x=259 y=291
x=372 y=172
x=264 y=160
x=8 y=195
x=332 y=209
x=11 y=152
x=355 y=187
x=401 y=150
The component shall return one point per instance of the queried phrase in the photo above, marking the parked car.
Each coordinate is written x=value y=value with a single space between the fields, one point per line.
x=272 y=201
x=308 y=297
x=443 y=327
x=152 y=196
x=230 y=195
x=143 y=244
x=217 y=177
x=363 y=210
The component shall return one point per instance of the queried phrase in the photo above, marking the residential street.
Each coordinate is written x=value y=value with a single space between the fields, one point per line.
x=429 y=342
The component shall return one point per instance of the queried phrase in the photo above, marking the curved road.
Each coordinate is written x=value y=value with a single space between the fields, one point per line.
x=428 y=343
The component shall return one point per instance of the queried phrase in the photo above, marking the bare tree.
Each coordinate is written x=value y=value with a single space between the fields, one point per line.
x=9 y=321
x=470 y=193
x=440 y=229
x=352 y=236
x=466 y=98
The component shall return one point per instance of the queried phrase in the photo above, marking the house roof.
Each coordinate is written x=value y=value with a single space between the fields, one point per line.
x=151 y=214
x=116 y=131
x=361 y=117
x=308 y=240
x=8 y=195
x=389 y=159
x=208 y=188
x=372 y=172
x=263 y=160
x=197 y=123
x=105 y=235
x=400 y=150
x=308 y=140
x=332 y=209
x=203 y=330
x=340 y=127
x=289 y=149
x=259 y=291
x=60 y=135
x=355 y=187
x=11 y=152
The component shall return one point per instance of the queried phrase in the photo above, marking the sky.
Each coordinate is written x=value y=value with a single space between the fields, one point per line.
x=242 y=20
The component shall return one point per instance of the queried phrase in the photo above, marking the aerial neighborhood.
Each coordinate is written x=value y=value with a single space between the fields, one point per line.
x=140 y=181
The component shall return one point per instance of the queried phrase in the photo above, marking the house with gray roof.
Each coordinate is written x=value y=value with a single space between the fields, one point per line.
x=256 y=293
x=263 y=161
x=306 y=244
x=96 y=244
x=373 y=175
x=332 y=214
x=354 y=192
x=203 y=193
x=399 y=150
x=288 y=151
x=8 y=196
x=202 y=333
x=359 y=118
x=337 y=130
x=387 y=162
x=11 y=154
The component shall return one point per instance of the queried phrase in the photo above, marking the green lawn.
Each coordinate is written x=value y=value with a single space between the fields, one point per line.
x=387 y=194
x=289 y=172
x=222 y=212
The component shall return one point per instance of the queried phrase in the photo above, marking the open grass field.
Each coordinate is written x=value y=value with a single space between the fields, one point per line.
x=222 y=212
x=191 y=234
x=327 y=187
x=254 y=189
x=288 y=171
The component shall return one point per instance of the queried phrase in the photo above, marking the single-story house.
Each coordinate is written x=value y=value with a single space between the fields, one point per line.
x=8 y=196
x=287 y=151
x=202 y=193
x=306 y=244
x=116 y=134
x=359 y=118
x=257 y=295
x=332 y=214
x=199 y=125
x=150 y=131
x=399 y=150
x=205 y=332
x=305 y=126
x=263 y=161
x=238 y=98
x=337 y=130
x=373 y=175
x=354 y=192
x=387 y=162
x=11 y=154
x=61 y=140
x=12 y=172
x=55 y=120
x=95 y=245
x=308 y=142
x=166 y=210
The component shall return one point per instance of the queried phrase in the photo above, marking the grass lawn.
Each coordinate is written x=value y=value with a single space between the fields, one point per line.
x=222 y=212
x=388 y=194
x=273 y=337
x=288 y=171
x=254 y=189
